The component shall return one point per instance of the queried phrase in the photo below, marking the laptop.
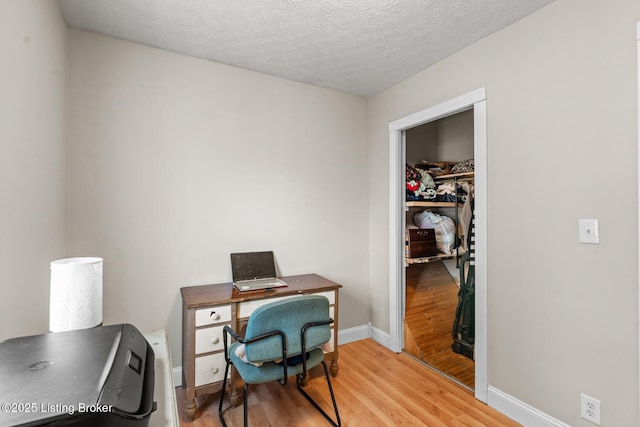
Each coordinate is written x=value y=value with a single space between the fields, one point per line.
x=254 y=271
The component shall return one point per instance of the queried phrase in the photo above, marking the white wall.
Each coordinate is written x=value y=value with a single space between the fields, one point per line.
x=176 y=162
x=455 y=137
x=32 y=160
x=562 y=135
x=422 y=143
x=449 y=139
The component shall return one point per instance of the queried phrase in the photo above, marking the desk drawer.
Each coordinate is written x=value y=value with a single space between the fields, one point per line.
x=213 y=315
x=209 y=339
x=246 y=308
x=209 y=369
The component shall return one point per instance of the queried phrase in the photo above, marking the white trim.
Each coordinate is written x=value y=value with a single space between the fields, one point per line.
x=520 y=411
x=177 y=376
x=638 y=167
x=396 y=239
x=345 y=336
x=380 y=337
x=444 y=109
x=476 y=100
x=480 y=209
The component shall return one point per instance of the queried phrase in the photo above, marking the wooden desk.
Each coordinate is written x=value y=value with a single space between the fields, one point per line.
x=206 y=309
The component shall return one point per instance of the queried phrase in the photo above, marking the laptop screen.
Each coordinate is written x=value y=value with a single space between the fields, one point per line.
x=252 y=265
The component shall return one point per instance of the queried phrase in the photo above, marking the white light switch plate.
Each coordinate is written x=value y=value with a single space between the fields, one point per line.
x=588 y=231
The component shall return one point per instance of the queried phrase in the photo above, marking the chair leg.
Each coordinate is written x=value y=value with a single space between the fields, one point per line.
x=222 y=393
x=246 y=392
x=336 y=423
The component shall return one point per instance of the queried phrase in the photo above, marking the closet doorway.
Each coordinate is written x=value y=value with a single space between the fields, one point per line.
x=411 y=274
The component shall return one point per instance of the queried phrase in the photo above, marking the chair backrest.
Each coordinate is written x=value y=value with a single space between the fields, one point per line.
x=288 y=316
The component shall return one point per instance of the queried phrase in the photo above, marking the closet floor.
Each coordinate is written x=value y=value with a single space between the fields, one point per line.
x=431 y=300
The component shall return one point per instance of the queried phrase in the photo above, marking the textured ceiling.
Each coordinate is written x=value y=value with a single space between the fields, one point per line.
x=360 y=47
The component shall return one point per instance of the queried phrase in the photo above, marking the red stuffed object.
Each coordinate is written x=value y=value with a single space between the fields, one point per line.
x=413 y=186
x=412 y=178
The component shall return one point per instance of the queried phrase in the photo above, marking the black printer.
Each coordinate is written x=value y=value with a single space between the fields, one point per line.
x=102 y=376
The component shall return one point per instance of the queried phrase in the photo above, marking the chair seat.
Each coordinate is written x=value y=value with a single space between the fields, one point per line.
x=270 y=371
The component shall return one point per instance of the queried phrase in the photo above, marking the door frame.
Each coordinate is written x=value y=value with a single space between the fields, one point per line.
x=475 y=100
x=638 y=164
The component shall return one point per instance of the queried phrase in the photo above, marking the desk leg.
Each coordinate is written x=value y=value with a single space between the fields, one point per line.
x=190 y=409
x=334 y=368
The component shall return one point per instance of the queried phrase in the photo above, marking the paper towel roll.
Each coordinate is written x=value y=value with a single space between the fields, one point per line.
x=76 y=294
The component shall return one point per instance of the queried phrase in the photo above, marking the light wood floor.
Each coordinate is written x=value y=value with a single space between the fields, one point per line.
x=375 y=387
x=431 y=300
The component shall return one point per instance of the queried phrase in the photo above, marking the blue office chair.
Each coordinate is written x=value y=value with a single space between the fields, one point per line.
x=283 y=339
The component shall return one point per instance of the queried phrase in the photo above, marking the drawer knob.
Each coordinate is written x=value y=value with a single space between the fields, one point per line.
x=214 y=370
x=214 y=315
x=215 y=340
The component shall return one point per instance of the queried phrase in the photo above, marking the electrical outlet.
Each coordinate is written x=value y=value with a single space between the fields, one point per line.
x=590 y=408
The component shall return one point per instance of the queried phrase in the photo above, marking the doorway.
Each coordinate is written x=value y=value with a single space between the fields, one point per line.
x=439 y=289
x=475 y=101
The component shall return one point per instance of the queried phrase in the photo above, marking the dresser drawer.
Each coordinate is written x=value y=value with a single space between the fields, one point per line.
x=209 y=339
x=213 y=315
x=209 y=369
x=246 y=308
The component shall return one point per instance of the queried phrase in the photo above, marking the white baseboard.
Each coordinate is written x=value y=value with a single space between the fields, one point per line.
x=345 y=336
x=519 y=411
x=380 y=337
x=362 y=332
x=177 y=376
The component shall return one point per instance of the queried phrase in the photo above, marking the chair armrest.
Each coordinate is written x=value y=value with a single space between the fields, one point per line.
x=227 y=330
x=231 y=332
x=303 y=341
